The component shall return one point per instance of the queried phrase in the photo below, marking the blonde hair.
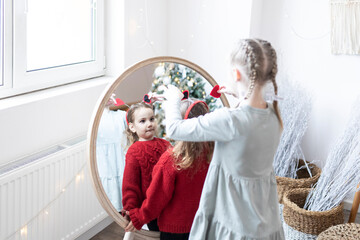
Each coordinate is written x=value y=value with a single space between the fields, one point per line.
x=257 y=59
x=131 y=136
x=187 y=154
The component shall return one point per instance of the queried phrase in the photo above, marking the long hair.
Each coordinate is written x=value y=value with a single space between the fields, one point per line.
x=188 y=154
x=257 y=59
x=130 y=118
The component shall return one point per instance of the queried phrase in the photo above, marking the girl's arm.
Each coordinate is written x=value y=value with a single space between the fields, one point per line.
x=131 y=186
x=214 y=126
x=158 y=195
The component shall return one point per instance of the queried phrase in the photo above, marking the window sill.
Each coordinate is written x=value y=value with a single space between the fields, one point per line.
x=44 y=94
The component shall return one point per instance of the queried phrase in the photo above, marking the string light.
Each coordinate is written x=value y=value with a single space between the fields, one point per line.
x=23 y=230
x=293 y=31
x=148 y=41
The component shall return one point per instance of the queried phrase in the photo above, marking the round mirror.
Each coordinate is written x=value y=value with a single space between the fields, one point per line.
x=107 y=140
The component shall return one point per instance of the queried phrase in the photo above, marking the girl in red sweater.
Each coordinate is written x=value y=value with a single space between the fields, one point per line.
x=144 y=152
x=174 y=193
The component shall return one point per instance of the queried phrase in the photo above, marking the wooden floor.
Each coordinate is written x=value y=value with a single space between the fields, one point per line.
x=111 y=232
x=115 y=232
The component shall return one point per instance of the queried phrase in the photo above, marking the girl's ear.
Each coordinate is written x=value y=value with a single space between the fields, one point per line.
x=132 y=128
x=237 y=74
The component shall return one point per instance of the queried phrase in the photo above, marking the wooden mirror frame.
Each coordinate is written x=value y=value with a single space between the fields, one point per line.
x=93 y=131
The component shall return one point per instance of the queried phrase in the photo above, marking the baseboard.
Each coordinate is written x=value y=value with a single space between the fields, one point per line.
x=96 y=229
x=348 y=204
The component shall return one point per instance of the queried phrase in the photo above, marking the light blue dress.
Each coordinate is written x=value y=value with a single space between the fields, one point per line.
x=110 y=155
x=239 y=199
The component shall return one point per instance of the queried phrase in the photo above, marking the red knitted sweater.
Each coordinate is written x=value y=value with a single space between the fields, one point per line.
x=141 y=158
x=173 y=196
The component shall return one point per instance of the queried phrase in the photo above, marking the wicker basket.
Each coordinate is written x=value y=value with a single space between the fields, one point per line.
x=348 y=231
x=305 y=221
x=303 y=181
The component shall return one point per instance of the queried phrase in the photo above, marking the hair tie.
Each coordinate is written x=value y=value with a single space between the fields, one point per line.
x=273 y=97
x=126 y=117
x=214 y=92
x=186 y=94
x=192 y=105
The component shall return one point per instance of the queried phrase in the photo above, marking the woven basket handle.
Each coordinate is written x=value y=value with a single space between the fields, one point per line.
x=355 y=205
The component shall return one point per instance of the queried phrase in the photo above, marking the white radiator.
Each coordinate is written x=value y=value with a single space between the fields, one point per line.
x=49 y=196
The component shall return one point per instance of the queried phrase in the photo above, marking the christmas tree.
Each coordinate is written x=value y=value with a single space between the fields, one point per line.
x=183 y=78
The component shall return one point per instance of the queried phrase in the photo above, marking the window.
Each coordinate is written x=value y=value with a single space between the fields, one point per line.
x=53 y=42
x=1 y=42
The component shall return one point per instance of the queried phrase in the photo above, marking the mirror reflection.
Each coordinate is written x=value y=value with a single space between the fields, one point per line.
x=123 y=132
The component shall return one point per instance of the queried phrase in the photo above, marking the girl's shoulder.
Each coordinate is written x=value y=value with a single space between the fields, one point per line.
x=167 y=156
x=167 y=161
x=161 y=141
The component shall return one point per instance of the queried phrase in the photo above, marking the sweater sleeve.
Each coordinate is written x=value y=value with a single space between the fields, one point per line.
x=158 y=194
x=131 y=186
x=214 y=126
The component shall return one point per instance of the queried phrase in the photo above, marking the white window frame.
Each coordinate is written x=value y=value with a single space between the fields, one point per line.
x=7 y=50
x=23 y=81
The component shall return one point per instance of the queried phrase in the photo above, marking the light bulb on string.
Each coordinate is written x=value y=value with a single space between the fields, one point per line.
x=78 y=178
x=294 y=32
x=23 y=231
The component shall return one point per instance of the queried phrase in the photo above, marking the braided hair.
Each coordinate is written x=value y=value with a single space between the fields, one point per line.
x=257 y=59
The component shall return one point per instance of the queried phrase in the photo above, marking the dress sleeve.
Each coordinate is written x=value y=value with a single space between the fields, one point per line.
x=214 y=126
x=158 y=195
x=131 y=187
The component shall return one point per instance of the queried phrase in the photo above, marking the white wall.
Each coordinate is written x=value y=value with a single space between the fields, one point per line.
x=34 y=122
x=300 y=31
x=146 y=25
x=205 y=31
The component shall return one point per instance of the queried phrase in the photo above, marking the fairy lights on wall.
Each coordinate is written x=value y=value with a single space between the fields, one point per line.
x=142 y=24
x=78 y=178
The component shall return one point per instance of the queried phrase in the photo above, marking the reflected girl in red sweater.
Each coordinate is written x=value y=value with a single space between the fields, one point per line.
x=177 y=180
x=144 y=152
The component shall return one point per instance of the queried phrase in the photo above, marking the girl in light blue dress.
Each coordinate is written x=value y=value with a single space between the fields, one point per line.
x=239 y=198
x=110 y=155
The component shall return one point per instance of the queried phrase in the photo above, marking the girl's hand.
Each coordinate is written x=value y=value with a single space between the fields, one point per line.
x=227 y=90
x=130 y=227
x=111 y=100
x=155 y=97
x=172 y=93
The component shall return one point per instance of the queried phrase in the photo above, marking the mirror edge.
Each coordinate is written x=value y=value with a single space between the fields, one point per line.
x=94 y=125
